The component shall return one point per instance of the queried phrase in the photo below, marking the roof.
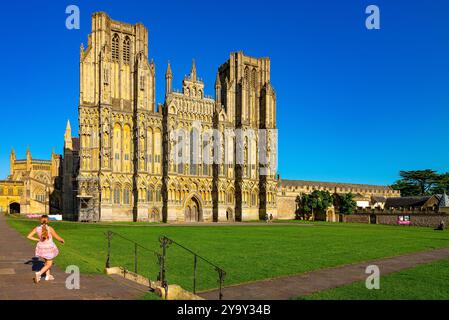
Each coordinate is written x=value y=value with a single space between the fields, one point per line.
x=301 y=183
x=406 y=202
x=443 y=200
x=378 y=199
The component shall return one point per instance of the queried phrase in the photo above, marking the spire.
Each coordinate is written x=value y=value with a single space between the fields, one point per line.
x=13 y=154
x=193 y=71
x=168 y=80
x=217 y=81
x=168 y=74
x=68 y=136
x=28 y=153
x=218 y=89
x=68 y=131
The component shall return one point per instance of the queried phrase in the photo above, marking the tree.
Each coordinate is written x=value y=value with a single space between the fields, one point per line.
x=346 y=203
x=416 y=182
x=442 y=184
x=316 y=202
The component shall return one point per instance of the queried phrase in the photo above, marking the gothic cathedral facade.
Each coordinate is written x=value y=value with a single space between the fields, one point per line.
x=127 y=165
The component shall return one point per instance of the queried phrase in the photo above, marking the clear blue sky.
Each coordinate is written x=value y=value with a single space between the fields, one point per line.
x=352 y=105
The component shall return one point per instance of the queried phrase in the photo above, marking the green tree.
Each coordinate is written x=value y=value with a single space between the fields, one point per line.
x=346 y=203
x=416 y=182
x=442 y=184
x=315 y=203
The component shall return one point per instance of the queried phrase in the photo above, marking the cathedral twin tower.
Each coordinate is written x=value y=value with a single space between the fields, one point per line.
x=191 y=159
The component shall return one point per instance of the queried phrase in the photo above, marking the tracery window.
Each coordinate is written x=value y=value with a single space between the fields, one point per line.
x=158 y=195
x=115 y=47
x=116 y=195
x=126 y=196
x=126 y=50
x=150 y=195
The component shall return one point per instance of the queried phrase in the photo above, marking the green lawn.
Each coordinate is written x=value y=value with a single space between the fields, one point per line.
x=246 y=252
x=425 y=282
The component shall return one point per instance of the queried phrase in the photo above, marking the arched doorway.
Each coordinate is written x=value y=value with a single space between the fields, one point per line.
x=14 y=208
x=154 y=216
x=192 y=211
x=229 y=215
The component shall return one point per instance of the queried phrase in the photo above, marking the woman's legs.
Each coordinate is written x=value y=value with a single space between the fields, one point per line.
x=47 y=266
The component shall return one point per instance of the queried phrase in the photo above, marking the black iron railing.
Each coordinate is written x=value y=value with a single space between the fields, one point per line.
x=165 y=242
x=136 y=247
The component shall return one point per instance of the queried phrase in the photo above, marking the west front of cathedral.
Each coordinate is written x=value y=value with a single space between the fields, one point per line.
x=191 y=159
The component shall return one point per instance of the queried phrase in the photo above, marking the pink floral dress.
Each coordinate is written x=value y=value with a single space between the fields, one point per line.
x=46 y=249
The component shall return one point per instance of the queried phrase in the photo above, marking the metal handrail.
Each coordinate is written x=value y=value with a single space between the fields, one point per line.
x=165 y=242
x=109 y=234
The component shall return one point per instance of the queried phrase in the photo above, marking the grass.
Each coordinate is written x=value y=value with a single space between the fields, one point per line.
x=425 y=282
x=246 y=252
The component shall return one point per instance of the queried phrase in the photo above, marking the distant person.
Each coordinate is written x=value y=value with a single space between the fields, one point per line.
x=45 y=248
x=271 y=217
x=266 y=218
x=440 y=226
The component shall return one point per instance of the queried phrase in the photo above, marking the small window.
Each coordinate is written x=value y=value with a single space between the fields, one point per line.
x=142 y=83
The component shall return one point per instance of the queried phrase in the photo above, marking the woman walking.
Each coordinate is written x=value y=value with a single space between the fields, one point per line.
x=45 y=248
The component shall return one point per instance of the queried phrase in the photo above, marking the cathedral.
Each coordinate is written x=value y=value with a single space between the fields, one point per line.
x=193 y=158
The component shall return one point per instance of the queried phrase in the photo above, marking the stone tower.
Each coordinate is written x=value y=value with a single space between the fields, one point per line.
x=119 y=127
x=249 y=105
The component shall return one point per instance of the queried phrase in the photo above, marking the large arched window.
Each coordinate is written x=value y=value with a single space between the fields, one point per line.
x=194 y=151
x=126 y=50
x=117 y=148
x=157 y=151
x=116 y=195
x=126 y=196
x=115 y=47
x=127 y=141
x=253 y=78
x=150 y=195
x=158 y=194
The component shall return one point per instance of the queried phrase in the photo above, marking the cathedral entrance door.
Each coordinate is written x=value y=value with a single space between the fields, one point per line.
x=192 y=211
x=229 y=215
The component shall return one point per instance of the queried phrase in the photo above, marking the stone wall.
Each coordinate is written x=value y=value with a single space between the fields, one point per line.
x=286 y=207
x=356 y=218
x=419 y=220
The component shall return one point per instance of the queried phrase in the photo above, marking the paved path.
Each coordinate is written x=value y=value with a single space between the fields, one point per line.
x=303 y=284
x=16 y=276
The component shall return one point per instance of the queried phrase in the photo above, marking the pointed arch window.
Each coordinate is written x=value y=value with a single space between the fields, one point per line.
x=126 y=196
x=126 y=50
x=115 y=47
x=253 y=78
x=116 y=195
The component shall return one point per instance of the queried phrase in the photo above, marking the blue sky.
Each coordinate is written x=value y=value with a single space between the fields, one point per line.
x=353 y=105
